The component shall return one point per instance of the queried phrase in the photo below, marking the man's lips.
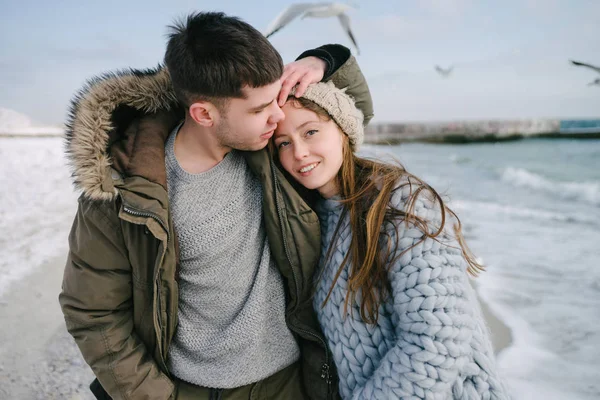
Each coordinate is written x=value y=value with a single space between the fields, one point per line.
x=268 y=135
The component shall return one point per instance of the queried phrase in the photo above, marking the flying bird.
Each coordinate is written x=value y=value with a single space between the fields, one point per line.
x=597 y=69
x=314 y=10
x=594 y=82
x=444 y=72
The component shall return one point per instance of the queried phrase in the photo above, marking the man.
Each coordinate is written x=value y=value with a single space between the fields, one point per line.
x=190 y=264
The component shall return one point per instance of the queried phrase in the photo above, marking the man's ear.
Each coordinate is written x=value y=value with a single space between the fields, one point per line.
x=204 y=113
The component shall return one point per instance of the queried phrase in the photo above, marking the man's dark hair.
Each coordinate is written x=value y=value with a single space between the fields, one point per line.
x=211 y=56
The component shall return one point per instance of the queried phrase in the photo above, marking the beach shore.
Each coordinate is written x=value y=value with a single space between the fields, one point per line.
x=38 y=357
x=501 y=333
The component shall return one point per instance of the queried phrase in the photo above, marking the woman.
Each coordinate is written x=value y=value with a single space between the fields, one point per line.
x=392 y=293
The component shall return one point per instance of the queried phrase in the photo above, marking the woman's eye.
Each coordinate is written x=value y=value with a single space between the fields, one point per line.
x=282 y=144
x=311 y=132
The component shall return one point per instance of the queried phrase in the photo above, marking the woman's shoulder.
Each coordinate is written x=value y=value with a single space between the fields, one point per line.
x=416 y=208
x=412 y=196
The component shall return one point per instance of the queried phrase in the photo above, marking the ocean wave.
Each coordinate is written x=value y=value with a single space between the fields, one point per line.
x=455 y=158
x=587 y=192
x=533 y=364
x=518 y=212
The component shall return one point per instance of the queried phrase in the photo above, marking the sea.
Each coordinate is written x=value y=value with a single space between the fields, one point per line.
x=530 y=211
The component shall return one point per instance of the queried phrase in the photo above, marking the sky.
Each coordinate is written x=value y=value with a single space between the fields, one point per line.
x=511 y=58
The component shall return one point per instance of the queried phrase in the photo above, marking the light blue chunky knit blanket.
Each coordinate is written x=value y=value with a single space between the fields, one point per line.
x=430 y=341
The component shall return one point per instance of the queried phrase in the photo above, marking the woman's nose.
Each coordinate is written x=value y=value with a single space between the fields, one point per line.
x=300 y=150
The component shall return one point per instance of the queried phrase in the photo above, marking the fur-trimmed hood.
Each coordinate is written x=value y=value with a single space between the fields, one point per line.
x=99 y=116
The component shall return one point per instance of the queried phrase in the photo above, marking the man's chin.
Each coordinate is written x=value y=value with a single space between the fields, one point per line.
x=249 y=146
x=257 y=146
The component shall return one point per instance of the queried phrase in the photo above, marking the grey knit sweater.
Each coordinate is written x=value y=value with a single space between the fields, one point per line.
x=430 y=341
x=232 y=328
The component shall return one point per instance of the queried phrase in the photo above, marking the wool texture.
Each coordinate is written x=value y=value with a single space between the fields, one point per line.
x=430 y=340
x=232 y=329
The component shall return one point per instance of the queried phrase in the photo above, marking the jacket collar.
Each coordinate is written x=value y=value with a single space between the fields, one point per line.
x=103 y=129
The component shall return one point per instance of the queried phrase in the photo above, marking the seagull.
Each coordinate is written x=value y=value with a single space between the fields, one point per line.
x=597 y=69
x=594 y=82
x=314 y=10
x=444 y=72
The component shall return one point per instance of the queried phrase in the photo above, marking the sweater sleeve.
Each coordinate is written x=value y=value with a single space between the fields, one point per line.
x=442 y=348
x=334 y=55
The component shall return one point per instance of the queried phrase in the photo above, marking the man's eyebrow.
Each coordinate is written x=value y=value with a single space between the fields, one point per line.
x=260 y=107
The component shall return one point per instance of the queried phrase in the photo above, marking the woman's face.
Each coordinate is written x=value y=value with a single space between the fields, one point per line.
x=310 y=148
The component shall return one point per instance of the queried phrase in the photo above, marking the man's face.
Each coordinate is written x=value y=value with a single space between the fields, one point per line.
x=249 y=123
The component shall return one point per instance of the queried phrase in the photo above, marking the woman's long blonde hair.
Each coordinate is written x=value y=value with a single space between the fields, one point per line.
x=366 y=188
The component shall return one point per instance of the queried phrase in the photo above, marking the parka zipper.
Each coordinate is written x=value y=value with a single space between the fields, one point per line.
x=325 y=367
x=146 y=214
x=325 y=374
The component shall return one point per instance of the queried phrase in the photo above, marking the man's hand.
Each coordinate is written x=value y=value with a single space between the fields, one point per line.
x=302 y=72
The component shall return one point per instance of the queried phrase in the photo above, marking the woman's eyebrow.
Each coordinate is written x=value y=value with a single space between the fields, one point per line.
x=304 y=124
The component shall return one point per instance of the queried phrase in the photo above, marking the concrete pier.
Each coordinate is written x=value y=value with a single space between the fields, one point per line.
x=480 y=131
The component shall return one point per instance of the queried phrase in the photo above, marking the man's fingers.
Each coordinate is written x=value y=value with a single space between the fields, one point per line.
x=287 y=86
x=302 y=72
x=288 y=70
x=303 y=84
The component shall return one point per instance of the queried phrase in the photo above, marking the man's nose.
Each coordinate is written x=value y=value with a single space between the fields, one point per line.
x=277 y=115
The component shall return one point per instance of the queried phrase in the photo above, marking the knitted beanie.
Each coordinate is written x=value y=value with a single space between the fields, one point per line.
x=340 y=106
